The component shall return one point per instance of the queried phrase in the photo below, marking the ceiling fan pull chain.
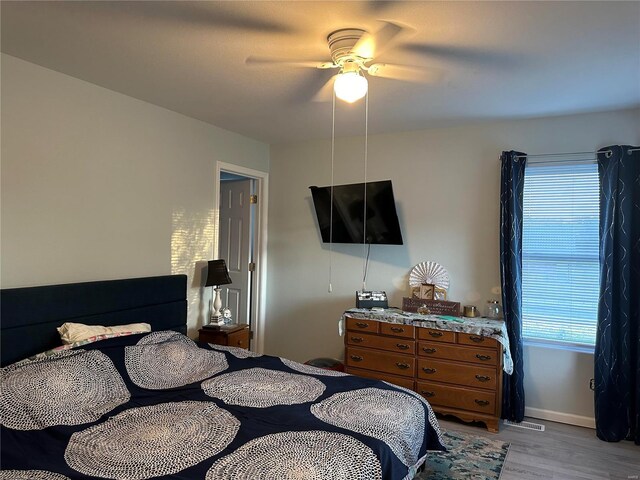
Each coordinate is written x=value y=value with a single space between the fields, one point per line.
x=333 y=142
x=365 y=257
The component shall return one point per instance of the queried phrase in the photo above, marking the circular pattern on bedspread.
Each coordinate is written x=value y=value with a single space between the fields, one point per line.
x=261 y=388
x=235 y=351
x=66 y=388
x=394 y=417
x=152 y=441
x=431 y=415
x=310 y=369
x=168 y=359
x=314 y=455
x=30 y=475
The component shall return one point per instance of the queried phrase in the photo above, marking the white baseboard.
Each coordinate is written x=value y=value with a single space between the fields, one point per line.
x=579 y=420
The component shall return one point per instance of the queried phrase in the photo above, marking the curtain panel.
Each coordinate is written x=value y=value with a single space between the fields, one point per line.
x=511 y=191
x=617 y=360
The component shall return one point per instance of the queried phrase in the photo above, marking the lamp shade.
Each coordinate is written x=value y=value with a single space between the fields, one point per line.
x=217 y=273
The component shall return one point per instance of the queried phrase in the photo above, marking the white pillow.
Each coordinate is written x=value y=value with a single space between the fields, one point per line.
x=75 y=332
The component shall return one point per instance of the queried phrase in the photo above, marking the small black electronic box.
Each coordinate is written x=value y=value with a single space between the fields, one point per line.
x=371 y=299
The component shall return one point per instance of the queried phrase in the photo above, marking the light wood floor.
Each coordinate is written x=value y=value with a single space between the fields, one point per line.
x=560 y=452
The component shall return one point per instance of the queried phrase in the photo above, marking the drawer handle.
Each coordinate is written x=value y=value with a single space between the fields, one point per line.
x=435 y=334
x=429 y=370
x=402 y=346
x=483 y=378
x=356 y=358
x=429 y=350
x=482 y=403
x=476 y=339
x=402 y=366
x=483 y=357
x=397 y=329
x=362 y=324
x=357 y=339
x=427 y=393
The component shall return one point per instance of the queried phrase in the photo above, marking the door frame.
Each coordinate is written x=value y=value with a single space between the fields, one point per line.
x=259 y=278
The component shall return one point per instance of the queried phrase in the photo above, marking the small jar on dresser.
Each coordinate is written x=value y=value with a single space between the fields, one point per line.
x=237 y=335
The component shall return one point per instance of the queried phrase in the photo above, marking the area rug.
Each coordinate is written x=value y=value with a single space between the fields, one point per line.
x=468 y=456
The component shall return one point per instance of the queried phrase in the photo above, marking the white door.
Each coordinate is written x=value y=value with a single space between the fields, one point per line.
x=235 y=245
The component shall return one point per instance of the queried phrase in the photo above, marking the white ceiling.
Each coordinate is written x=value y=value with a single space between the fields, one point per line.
x=501 y=60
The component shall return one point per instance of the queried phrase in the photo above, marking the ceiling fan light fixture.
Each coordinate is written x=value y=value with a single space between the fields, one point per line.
x=350 y=86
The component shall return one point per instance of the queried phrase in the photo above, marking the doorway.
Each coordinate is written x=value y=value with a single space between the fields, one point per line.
x=241 y=242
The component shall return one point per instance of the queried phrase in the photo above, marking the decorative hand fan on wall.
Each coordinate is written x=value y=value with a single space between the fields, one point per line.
x=429 y=280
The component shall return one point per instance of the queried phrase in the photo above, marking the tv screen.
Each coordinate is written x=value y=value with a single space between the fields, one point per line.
x=348 y=213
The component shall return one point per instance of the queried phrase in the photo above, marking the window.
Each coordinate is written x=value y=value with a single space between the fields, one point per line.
x=560 y=252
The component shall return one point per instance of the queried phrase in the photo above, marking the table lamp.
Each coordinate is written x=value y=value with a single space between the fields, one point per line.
x=217 y=274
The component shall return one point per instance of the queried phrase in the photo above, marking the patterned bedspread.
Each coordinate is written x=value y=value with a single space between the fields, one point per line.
x=159 y=405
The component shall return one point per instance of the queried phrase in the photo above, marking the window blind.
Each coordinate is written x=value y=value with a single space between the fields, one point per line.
x=560 y=252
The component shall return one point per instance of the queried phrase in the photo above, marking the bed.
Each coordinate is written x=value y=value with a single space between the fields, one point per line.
x=159 y=405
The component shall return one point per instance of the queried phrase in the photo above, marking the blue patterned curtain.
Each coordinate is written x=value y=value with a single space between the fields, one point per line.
x=617 y=360
x=511 y=190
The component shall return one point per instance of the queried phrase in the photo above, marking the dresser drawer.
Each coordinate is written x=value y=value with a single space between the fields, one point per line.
x=398 y=330
x=436 y=335
x=395 y=379
x=356 y=324
x=477 y=340
x=381 y=361
x=456 y=397
x=239 y=339
x=481 y=356
x=400 y=345
x=458 y=373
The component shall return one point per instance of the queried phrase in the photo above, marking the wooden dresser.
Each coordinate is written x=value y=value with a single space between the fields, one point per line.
x=459 y=374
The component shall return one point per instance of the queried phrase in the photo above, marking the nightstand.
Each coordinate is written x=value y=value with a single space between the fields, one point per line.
x=232 y=335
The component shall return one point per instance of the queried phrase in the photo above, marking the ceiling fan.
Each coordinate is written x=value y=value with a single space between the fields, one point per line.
x=352 y=52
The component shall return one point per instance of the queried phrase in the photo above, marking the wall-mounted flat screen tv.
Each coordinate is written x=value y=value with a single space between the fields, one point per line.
x=348 y=213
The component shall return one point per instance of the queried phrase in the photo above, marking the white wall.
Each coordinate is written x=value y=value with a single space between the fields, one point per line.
x=97 y=185
x=446 y=183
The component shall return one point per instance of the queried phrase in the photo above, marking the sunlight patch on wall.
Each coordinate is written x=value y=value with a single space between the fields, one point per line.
x=192 y=239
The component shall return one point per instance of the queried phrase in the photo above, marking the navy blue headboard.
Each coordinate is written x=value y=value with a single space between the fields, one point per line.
x=29 y=316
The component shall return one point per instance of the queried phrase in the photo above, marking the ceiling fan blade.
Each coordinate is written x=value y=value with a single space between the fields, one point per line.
x=468 y=55
x=407 y=73
x=288 y=62
x=372 y=44
x=325 y=94
x=195 y=14
x=379 y=5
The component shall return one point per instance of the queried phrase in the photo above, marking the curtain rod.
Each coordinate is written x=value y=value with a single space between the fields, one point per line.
x=572 y=153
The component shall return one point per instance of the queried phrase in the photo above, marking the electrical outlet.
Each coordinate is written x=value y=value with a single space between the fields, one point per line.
x=592 y=384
